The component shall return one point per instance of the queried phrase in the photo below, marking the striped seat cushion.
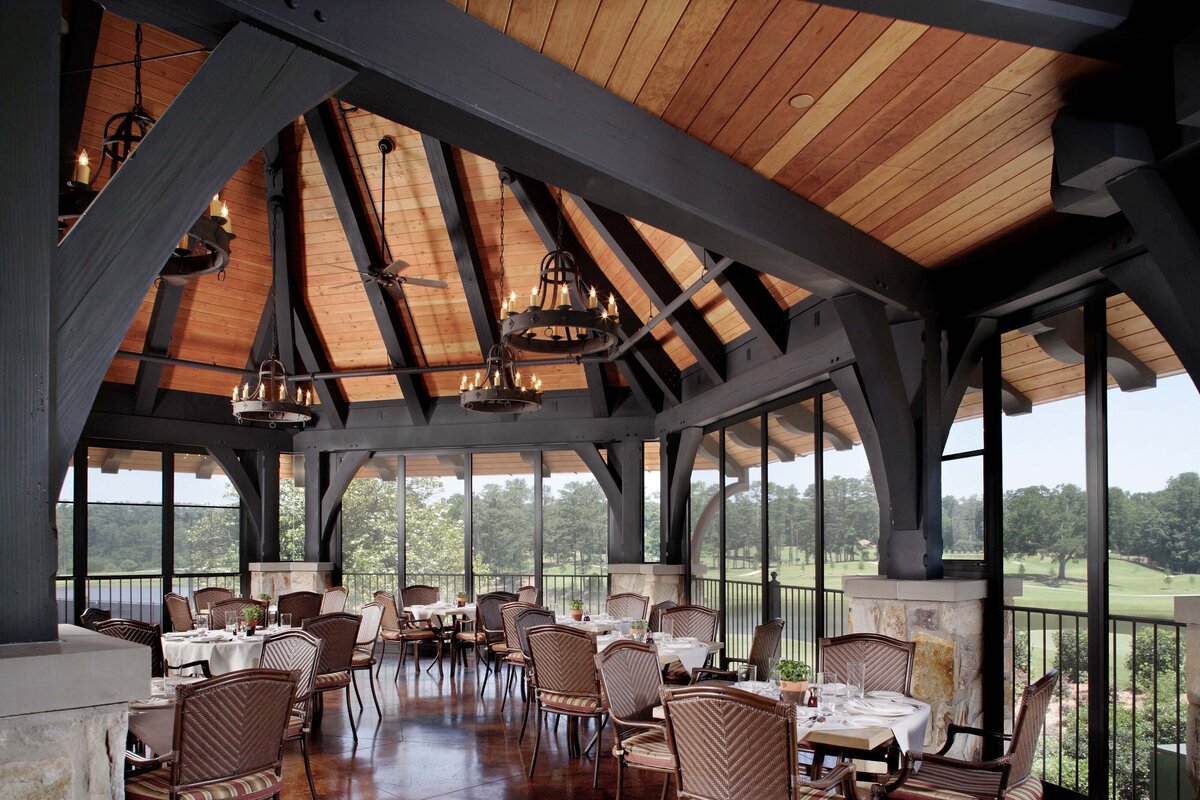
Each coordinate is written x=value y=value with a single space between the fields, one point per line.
x=295 y=725
x=677 y=673
x=499 y=647
x=570 y=703
x=516 y=658
x=156 y=785
x=409 y=634
x=649 y=749
x=478 y=637
x=916 y=789
x=332 y=680
x=362 y=658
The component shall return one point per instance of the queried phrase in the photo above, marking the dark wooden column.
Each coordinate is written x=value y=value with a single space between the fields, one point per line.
x=28 y=206
x=625 y=537
x=678 y=453
x=268 y=489
x=316 y=479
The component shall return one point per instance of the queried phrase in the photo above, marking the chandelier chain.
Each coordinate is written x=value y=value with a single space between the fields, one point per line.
x=137 y=68
x=502 y=286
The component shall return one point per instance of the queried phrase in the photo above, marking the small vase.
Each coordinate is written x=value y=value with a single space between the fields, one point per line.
x=577 y=614
x=462 y=602
x=799 y=687
x=250 y=629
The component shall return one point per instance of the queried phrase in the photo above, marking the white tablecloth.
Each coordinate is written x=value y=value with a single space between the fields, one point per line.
x=909 y=729
x=223 y=656
x=690 y=653
x=443 y=611
x=153 y=719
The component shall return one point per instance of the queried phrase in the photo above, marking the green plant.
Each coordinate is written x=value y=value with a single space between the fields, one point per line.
x=637 y=625
x=577 y=605
x=250 y=614
x=462 y=595
x=793 y=671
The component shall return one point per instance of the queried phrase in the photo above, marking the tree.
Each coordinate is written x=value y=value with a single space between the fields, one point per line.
x=1051 y=522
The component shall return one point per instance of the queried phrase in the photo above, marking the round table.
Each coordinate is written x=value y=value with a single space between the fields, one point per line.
x=227 y=655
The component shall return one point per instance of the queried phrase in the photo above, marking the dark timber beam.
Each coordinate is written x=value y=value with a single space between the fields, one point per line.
x=431 y=67
x=541 y=209
x=78 y=55
x=348 y=465
x=462 y=240
x=1165 y=287
x=966 y=346
x=626 y=532
x=247 y=89
x=747 y=434
x=608 y=479
x=1062 y=338
x=293 y=325
x=167 y=300
x=243 y=480
x=799 y=420
x=648 y=272
x=753 y=303
x=1095 y=28
x=260 y=348
x=1012 y=402
x=530 y=459
x=680 y=451
x=367 y=250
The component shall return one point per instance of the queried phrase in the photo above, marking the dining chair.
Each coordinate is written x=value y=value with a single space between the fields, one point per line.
x=888 y=662
x=764 y=648
x=514 y=659
x=730 y=744
x=523 y=620
x=218 y=613
x=529 y=594
x=301 y=605
x=566 y=684
x=133 y=630
x=419 y=595
x=334 y=600
x=91 y=616
x=178 y=612
x=227 y=743
x=338 y=633
x=631 y=679
x=298 y=652
x=400 y=629
x=697 y=622
x=203 y=598
x=627 y=604
x=934 y=775
x=655 y=622
x=370 y=620
x=487 y=631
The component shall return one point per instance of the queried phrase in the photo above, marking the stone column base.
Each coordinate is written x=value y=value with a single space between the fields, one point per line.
x=945 y=619
x=1187 y=612
x=659 y=582
x=280 y=577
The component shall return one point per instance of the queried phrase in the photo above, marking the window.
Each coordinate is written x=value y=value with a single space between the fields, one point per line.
x=370 y=530
x=207 y=518
x=502 y=512
x=651 y=506
x=434 y=530
x=291 y=507
x=962 y=482
x=124 y=511
x=851 y=519
x=574 y=534
x=704 y=524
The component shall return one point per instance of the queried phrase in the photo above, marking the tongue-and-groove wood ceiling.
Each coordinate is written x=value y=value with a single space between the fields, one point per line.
x=932 y=141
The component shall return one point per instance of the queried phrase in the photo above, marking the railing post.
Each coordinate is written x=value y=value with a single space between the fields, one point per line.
x=774 y=598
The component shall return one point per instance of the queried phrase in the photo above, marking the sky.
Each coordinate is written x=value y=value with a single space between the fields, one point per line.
x=1153 y=434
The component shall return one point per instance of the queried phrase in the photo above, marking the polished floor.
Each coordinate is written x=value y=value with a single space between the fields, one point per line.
x=438 y=738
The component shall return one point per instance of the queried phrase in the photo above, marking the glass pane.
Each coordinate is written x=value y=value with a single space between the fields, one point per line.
x=291 y=507
x=743 y=535
x=791 y=472
x=651 y=509
x=1045 y=538
x=502 y=508
x=1154 y=531
x=704 y=526
x=962 y=508
x=851 y=509
x=966 y=432
x=64 y=521
x=207 y=521
x=574 y=534
x=370 y=530
x=434 y=527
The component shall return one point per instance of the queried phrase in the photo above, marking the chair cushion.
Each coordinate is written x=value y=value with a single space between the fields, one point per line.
x=411 y=634
x=677 y=673
x=362 y=659
x=156 y=785
x=499 y=647
x=390 y=634
x=916 y=789
x=331 y=680
x=517 y=658
x=478 y=637
x=649 y=749
x=570 y=703
x=295 y=728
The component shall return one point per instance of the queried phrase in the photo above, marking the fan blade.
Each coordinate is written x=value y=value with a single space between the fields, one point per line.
x=396 y=267
x=354 y=283
x=432 y=283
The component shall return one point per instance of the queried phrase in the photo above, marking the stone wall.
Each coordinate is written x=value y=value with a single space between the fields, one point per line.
x=945 y=620
x=64 y=754
x=280 y=577
x=1187 y=612
x=659 y=582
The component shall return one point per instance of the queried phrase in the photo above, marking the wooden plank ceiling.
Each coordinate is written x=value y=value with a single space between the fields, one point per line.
x=932 y=141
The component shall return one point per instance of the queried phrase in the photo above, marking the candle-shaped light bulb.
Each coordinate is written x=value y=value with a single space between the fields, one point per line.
x=246 y=391
x=533 y=297
x=603 y=313
x=83 y=171
x=228 y=226
x=612 y=306
x=235 y=391
x=512 y=301
x=282 y=392
x=463 y=384
x=496 y=378
x=214 y=207
x=565 y=297
x=262 y=391
x=504 y=309
x=183 y=246
x=312 y=399
x=517 y=377
x=592 y=301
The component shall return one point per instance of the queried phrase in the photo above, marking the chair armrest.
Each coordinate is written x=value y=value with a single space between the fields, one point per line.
x=977 y=778
x=137 y=765
x=202 y=664
x=711 y=674
x=954 y=729
x=840 y=776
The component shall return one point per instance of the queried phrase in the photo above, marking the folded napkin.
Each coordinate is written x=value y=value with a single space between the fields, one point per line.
x=151 y=702
x=885 y=708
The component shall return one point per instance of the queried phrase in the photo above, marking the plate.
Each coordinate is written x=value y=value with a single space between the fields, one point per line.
x=882 y=695
x=868 y=722
x=151 y=702
x=883 y=709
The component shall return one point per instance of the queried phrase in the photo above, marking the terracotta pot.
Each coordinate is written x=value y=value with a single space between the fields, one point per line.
x=577 y=614
x=799 y=687
x=462 y=602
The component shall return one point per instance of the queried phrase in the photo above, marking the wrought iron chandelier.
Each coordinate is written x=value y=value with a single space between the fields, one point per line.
x=564 y=316
x=271 y=400
x=502 y=390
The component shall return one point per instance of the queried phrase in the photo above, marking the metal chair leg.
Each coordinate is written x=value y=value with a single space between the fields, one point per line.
x=596 y=766
x=350 y=714
x=374 y=696
x=666 y=786
x=354 y=683
x=312 y=787
x=537 y=742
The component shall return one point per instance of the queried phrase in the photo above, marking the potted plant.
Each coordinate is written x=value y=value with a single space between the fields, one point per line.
x=266 y=598
x=637 y=629
x=793 y=675
x=577 y=609
x=250 y=619
x=462 y=599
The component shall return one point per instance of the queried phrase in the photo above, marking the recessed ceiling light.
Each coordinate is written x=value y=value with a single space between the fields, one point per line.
x=801 y=101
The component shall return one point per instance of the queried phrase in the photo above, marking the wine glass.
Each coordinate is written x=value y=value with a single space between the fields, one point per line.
x=747 y=673
x=201 y=623
x=826 y=689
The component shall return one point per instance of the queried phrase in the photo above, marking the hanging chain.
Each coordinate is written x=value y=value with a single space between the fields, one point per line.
x=503 y=295
x=558 y=239
x=137 y=68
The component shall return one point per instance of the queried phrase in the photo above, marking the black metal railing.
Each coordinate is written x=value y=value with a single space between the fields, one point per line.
x=1146 y=693
x=134 y=596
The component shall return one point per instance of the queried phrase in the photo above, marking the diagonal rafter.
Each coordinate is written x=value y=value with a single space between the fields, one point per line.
x=367 y=251
x=653 y=377
x=167 y=301
x=649 y=273
x=754 y=304
x=466 y=252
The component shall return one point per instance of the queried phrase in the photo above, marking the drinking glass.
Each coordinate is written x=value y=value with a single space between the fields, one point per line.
x=231 y=622
x=202 y=623
x=826 y=691
x=855 y=679
x=773 y=671
x=747 y=673
x=285 y=620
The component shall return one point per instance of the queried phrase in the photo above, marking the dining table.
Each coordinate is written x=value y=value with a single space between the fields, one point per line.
x=596 y=623
x=152 y=718
x=447 y=613
x=690 y=652
x=224 y=651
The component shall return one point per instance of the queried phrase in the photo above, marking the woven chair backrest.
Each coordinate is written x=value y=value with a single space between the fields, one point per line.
x=231 y=726
x=887 y=662
x=178 y=612
x=370 y=619
x=487 y=609
x=565 y=660
x=91 y=616
x=627 y=604
x=1034 y=701
x=730 y=744
x=203 y=598
x=132 y=630
x=765 y=646
x=528 y=594
x=219 y=613
x=334 y=600
x=294 y=651
x=338 y=632
x=631 y=677
x=391 y=617
x=528 y=617
x=656 y=614
x=508 y=623
x=419 y=595
x=695 y=621
x=301 y=605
